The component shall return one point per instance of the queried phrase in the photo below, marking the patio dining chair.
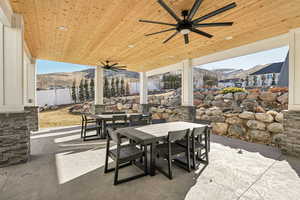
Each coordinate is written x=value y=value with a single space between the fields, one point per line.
x=170 y=150
x=198 y=144
x=137 y=120
x=208 y=123
x=124 y=155
x=88 y=125
x=119 y=121
x=120 y=112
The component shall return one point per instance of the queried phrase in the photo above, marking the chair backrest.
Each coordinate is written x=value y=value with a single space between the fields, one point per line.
x=158 y=121
x=107 y=113
x=114 y=135
x=200 y=121
x=120 y=112
x=134 y=120
x=199 y=131
x=178 y=135
x=119 y=118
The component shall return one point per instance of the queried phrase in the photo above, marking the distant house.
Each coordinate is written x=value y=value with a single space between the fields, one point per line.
x=233 y=82
x=266 y=76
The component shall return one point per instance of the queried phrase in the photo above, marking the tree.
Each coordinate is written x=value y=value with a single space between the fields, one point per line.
x=247 y=80
x=112 y=88
x=254 y=80
x=127 y=93
x=210 y=80
x=273 y=79
x=122 y=87
x=263 y=80
x=86 y=90
x=92 y=89
x=81 y=91
x=106 y=88
x=117 y=86
x=74 y=96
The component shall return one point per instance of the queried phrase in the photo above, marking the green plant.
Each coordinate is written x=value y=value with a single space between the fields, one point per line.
x=81 y=91
x=232 y=90
x=92 y=89
x=86 y=90
x=74 y=96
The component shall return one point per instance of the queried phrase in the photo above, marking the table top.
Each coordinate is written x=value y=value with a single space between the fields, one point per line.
x=110 y=116
x=155 y=132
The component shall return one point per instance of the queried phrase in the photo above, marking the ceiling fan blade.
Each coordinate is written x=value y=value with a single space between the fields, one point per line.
x=216 y=12
x=194 y=9
x=123 y=66
x=171 y=29
x=169 y=38
x=201 y=33
x=103 y=63
x=155 y=22
x=186 y=39
x=214 y=24
x=169 y=10
x=114 y=64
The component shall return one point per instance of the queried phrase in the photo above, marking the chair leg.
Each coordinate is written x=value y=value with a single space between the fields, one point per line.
x=188 y=156
x=145 y=160
x=116 y=173
x=194 y=160
x=170 y=168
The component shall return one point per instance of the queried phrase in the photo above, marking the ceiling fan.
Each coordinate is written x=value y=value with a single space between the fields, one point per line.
x=114 y=67
x=188 y=24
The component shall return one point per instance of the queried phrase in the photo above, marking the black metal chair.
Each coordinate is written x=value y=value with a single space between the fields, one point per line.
x=88 y=125
x=208 y=123
x=137 y=120
x=170 y=150
x=107 y=113
x=123 y=155
x=158 y=121
x=198 y=143
x=147 y=117
x=119 y=121
x=119 y=112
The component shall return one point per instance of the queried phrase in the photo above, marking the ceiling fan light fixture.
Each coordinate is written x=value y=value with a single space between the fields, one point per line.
x=130 y=46
x=228 y=38
x=185 y=31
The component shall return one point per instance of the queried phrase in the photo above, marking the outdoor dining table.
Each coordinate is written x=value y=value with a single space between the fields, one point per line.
x=151 y=134
x=104 y=118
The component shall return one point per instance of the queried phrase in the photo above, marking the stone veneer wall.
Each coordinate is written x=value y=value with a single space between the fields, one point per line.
x=292 y=132
x=32 y=117
x=14 y=138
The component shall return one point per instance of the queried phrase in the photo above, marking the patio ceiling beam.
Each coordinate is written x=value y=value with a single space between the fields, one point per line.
x=6 y=13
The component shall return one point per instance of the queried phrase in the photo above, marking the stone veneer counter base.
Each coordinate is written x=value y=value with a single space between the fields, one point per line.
x=292 y=132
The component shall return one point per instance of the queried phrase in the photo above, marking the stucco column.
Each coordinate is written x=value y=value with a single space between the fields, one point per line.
x=99 y=83
x=144 y=92
x=187 y=98
x=11 y=66
x=188 y=111
x=30 y=83
x=291 y=143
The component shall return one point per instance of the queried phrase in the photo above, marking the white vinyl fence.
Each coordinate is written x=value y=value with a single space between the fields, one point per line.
x=54 y=97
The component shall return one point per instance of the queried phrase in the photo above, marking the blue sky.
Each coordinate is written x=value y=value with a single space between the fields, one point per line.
x=243 y=62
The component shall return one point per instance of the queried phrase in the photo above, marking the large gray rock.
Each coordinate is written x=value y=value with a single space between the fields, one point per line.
x=254 y=124
x=217 y=118
x=228 y=96
x=275 y=128
x=209 y=97
x=237 y=130
x=268 y=96
x=279 y=117
x=283 y=99
x=239 y=96
x=219 y=97
x=264 y=117
x=234 y=120
x=260 y=136
x=279 y=139
x=273 y=113
x=247 y=115
x=219 y=128
x=249 y=104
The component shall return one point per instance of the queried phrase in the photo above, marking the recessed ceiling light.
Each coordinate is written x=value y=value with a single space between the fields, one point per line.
x=130 y=46
x=62 y=28
x=229 y=38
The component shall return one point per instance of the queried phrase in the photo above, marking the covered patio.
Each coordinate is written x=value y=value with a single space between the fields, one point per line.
x=63 y=167
x=58 y=165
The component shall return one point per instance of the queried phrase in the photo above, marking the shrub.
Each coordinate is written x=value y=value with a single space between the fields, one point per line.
x=278 y=89
x=232 y=90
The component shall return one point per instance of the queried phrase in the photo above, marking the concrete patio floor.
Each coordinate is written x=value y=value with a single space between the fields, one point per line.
x=63 y=167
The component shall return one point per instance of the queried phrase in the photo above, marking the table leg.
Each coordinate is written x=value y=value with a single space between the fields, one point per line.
x=152 y=158
x=104 y=129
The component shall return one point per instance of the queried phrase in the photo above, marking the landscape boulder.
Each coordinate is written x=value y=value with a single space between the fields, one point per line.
x=264 y=117
x=237 y=130
x=259 y=136
x=279 y=117
x=219 y=128
x=247 y=115
x=275 y=128
x=283 y=99
x=257 y=125
x=268 y=96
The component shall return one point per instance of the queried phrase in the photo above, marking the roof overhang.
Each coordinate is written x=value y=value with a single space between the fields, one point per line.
x=101 y=30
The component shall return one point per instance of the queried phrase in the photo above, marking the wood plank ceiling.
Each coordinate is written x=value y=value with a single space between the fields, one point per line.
x=105 y=29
